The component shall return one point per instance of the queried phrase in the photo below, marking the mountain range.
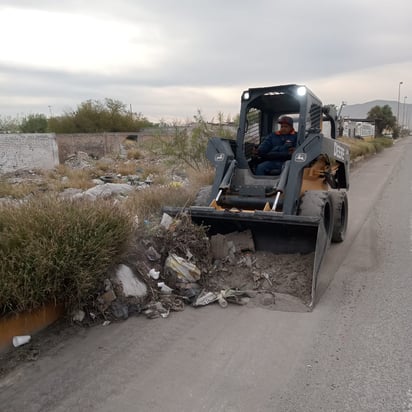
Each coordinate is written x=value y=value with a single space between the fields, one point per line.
x=360 y=111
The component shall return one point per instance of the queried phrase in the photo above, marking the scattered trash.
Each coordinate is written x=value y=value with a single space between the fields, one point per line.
x=165 y=314
x=106 y=323
x=156 y=310
x=182 y=269
x=188 y=255
x=108 y=297
x=21 y=340
x=119 y=310
x=223 y=297
x=204 y=298
x=152 y=254
x=78 y=316
x=166 y=221
x=154 y=274
x=164 y=288
x=107 y=285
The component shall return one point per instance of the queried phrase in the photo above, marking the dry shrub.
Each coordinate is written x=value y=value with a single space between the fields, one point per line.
x=103 y=166
x=134 y=154
x=16 y=191
x=360 y=147
x=74 y=178
x=126 y=168
x=148 y=203
x=57 y=250
x=202 y=178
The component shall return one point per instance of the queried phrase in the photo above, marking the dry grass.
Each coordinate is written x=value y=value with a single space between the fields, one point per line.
x=147 y=204
x=16 y=191
x=57 y=250
x=360 y=147
x=134 y=154
x=128 y=167
x=202 y=178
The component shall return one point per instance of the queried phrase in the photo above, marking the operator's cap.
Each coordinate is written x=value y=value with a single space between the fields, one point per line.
x=286 y=119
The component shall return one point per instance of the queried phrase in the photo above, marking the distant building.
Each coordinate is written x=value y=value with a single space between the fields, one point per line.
x=358 y=128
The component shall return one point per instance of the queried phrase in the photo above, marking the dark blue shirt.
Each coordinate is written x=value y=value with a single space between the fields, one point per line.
x=277 y=143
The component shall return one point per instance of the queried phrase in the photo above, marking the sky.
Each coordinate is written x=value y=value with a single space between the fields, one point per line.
x=168 y=59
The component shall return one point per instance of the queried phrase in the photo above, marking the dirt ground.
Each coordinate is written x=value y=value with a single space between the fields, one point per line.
x=230 y=266
x=230 y=272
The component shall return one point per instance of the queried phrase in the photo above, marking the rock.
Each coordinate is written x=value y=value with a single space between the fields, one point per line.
x=109 y=189
x=152 y=254
x=131 y=285
x=218 y=246
x=225 y=246
x=243 y=241
x=267 y=299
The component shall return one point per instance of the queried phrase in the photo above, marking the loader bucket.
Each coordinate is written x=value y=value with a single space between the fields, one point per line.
x=272 y=232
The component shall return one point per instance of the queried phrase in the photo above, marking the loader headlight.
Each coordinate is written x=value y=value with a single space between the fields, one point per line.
x=246 y=96
x=301 y=91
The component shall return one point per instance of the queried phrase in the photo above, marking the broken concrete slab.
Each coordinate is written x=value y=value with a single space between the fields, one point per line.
x=131 y=285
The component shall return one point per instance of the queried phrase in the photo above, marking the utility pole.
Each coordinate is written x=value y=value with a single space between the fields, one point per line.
x=403 y=116
x=399 y=98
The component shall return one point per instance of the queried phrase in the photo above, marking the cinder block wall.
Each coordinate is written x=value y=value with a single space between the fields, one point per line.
x=97 y=145
x=28 y=151
x=47 y=150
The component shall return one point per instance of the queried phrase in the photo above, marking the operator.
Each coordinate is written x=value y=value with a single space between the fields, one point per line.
x=276 y=148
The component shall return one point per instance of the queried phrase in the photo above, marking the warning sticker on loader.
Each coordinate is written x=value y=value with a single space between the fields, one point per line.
x=339 y=151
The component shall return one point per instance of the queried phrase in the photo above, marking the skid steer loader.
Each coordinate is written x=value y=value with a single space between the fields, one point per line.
x=298 y=209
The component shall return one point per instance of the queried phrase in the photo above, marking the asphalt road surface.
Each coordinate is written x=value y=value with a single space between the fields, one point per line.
x=352 y=353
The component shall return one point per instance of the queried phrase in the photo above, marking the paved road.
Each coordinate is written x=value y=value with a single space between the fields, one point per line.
x=352 y=353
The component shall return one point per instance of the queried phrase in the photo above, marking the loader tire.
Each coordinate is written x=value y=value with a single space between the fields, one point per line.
x=203 y=196
x=318 y=203
x=340 y=215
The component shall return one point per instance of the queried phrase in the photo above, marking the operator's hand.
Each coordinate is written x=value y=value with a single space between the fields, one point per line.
x=255 y=152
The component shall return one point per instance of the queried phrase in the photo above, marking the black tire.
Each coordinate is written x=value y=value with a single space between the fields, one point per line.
x=203 y=196
x=340 y=213
x=318 y=203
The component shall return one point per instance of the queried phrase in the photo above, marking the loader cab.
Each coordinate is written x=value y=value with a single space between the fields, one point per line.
x=261 y=109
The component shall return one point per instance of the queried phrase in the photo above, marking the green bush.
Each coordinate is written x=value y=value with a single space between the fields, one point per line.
x=54 y=250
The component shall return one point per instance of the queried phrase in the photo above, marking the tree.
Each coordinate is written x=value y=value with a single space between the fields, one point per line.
x=383 y=118
x=9 y=125
x=34 y=123
x=188 y=143
x=94 y=116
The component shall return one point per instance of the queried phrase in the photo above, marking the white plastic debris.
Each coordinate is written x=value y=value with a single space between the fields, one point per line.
x=21 y=340
x=154 y=274
x=166 y=221
x=166 y=290
x=78 y=316
x=205 y=298
x=184 y=270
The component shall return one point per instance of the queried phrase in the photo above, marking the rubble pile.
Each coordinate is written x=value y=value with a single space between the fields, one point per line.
x=175 y=264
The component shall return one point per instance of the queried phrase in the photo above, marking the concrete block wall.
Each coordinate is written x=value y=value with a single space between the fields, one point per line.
x=94 y=144
x=28 y=151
